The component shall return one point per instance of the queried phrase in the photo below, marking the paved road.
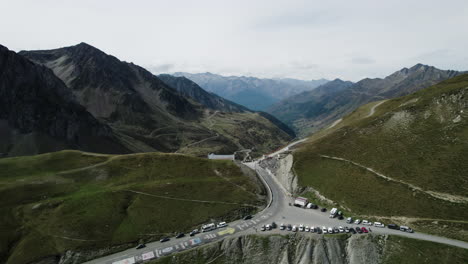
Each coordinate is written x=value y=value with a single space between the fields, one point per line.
x=278 y=210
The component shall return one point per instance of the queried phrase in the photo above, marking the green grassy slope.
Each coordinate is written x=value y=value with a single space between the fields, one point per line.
x=77 y=201
x=231 y=132
x=420 y=141
x=402 y=250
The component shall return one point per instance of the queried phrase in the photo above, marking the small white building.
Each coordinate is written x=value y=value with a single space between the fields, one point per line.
x=301 y=201
x=221 y=157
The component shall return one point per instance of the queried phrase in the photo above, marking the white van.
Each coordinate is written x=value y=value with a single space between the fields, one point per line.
x=208 y=227
x=222 y=224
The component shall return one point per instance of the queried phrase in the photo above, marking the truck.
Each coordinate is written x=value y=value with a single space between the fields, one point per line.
x=301 y=202
x=333 y=212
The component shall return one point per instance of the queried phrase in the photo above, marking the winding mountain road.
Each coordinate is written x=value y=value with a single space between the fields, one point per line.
x=278 y=210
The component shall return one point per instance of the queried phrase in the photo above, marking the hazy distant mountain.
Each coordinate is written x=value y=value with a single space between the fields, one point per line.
x=303 y=105
x=38 y=113
x=192 y=90
x=254 y=93
x=315 y=109
x=150 y=115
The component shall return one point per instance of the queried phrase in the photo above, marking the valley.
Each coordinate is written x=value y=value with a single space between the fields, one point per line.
x=233 y=132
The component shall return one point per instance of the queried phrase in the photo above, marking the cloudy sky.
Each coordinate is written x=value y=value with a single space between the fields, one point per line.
x=305 y=39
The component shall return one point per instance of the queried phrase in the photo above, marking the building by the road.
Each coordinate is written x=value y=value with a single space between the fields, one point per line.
x=221 y=157
x=301 y=201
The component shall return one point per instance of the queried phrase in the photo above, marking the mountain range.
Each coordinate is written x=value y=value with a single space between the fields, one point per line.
x=310 y=111
x=251 y=92
x=38 y=113
x=122 y=102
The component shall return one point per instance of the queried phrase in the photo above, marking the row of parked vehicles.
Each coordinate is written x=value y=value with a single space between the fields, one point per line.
x=204 y=228
x=334 y=212
x=323 y=229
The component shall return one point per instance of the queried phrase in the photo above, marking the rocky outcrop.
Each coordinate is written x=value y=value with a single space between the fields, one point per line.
x=39 y=114
x=280 y=167
x=290 y=249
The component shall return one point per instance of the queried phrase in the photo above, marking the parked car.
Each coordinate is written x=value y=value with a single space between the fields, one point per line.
x=358 y=229
x=323 y=209
x=180 y=235
x=268 y=227
x=378 y=224
x=307 y=229
x=294 y=228
x=282 y=226
x=194 y=232
x=341 y=229
x=336 y=230
x=301 y=228
x=164 y=239
x=140 y=246
x=349 y=220
x=289 y=227
x=247 y=217
x=393 y=226
x=222 y=224
x=330 y=230
x=406 y=229
x=346 y=229
x=340 y=217
x=357 y=222
x=324 y=230
x=364 y=230
x=319 y=231
x=263 y=228
x=273 y=225
x=352 y=230
x=365 y=222
x=312 y=229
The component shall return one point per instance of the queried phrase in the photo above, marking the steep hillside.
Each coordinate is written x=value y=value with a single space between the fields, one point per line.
x=192 y=90
x=253 y=93
x=89 y=205
x=404 y=159
x=148 y=114
x=127 y=97
x=38 y=113
x=315 y=114
x=311 y=248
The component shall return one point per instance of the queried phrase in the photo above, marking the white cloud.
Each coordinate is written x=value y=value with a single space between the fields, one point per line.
x=305 y=39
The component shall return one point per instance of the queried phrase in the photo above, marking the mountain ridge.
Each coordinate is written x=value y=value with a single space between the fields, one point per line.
x=251 y=92
x=40 y=114
x=332 y=106
x=145 y=112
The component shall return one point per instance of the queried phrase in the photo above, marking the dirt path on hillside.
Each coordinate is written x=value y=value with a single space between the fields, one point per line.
x=335 y=123
x=438 y=195
x=372 y=110
x=187 y=200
